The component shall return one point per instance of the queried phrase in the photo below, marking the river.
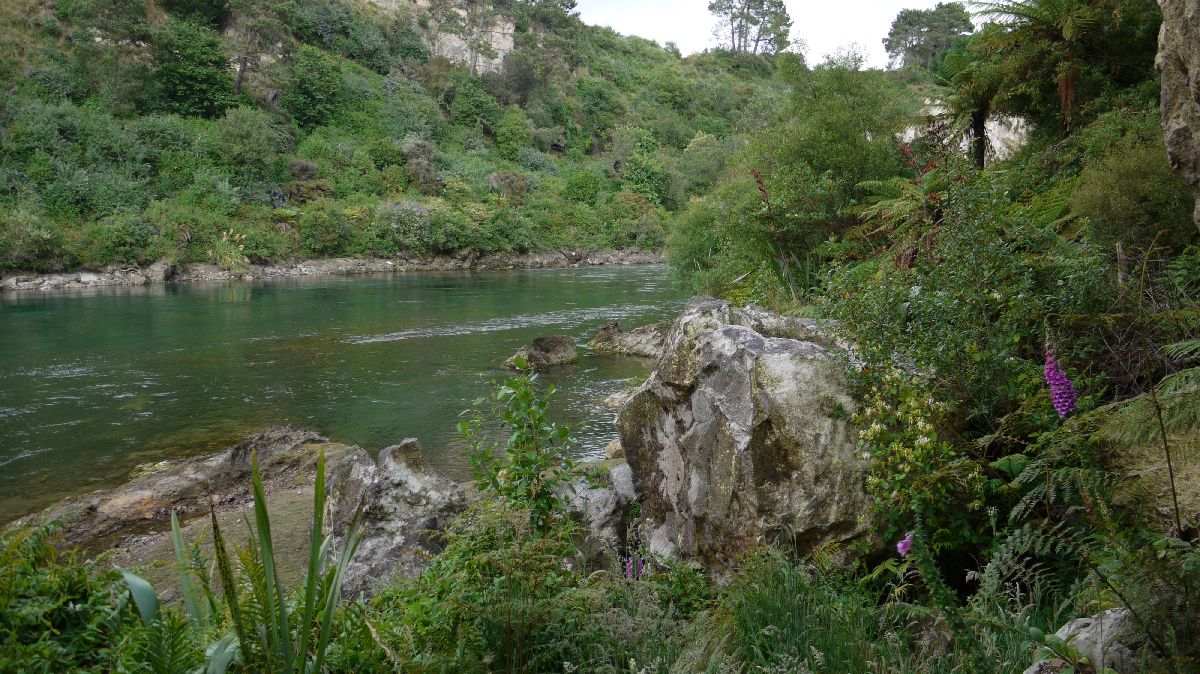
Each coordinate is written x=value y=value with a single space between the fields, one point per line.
x=94 y=383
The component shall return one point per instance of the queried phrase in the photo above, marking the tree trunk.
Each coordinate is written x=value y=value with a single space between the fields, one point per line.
x=243 y=61
x=979 y=119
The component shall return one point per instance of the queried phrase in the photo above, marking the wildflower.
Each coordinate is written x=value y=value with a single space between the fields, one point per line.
x=1061 y=390
x=629 y=567
x=905 y=545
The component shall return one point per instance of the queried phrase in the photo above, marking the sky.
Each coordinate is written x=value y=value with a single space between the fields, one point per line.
x=825 y=26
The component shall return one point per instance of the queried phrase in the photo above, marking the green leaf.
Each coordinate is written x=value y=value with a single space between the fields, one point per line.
x=191 y=600
x=1011 y=465
x=144 y=596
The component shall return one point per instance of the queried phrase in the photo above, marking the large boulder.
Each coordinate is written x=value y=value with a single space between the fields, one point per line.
x=1110 y=639
x=647 y=341
x=406 y=505
x=546 y=352
x=741 y=437
x=1179 y=63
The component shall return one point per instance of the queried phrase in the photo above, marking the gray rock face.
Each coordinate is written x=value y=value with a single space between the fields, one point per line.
x=1179 y=63
x=740 y=437
x=647 y=341
x=603 y=510
x=546 y=352
x=406 y=505
x=1110 y=639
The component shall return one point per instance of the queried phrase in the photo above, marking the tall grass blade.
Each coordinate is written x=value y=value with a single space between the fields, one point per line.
x=195 y=609
x=228 y=581
x=276 y=604
x=314 y=560
x=333 y=587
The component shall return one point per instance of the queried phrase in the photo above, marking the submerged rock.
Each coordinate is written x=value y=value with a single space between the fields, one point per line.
x=406 y=505
x=546 y=352
x=647 y=341
x=741 y=437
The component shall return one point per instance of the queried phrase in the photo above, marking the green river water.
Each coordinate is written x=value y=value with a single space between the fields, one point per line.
x=94 y=383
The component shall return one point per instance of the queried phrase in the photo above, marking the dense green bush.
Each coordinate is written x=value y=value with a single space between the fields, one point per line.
x=316 y=88
x=1132 y=197
x=32 y=241
x=124 y=239
x=191 y=70
x=324 y=229
x=513 y=133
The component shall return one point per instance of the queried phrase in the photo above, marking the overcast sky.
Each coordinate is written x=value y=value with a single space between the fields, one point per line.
x=825 y=26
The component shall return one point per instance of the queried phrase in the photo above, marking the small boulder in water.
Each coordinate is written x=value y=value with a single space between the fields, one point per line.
x=545 y=352
x=647 y=341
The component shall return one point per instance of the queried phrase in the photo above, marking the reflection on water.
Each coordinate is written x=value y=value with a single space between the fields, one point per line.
x=94 y=382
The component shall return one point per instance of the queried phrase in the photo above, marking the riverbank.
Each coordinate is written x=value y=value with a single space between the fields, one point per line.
x=202 y=272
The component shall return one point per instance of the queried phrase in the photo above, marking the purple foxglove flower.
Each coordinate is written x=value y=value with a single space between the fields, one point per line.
x=1062 y=393
x=641 y=564
x=905 y=545
x=629 y=567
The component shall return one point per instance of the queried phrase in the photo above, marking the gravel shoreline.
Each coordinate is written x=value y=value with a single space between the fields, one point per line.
x=201 y=272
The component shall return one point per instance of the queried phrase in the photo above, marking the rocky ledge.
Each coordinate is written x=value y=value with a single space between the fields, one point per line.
x=162 y=272
x=405 y=505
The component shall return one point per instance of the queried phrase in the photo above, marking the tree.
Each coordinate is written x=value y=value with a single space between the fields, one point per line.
x=752 y=26
x=513 y=133
x=191 y=70
x=257 y=29
x=1064 y=24
x=918 y=36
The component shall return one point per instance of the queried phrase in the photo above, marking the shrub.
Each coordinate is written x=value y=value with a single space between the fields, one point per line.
x=34 y=242
x=510 y=184
x=536 y=160
x=316 y=89
x=645 y=175
x=513 y=133
x=583 y=187
x=247 y=142
x=398 y=226
x=120 y=239
x=1132 y=195
x=191 y=70
x=471 y=105
x=324 y=229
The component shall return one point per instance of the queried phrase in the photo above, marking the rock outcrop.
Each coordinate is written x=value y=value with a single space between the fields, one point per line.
x=1111 y=639
x=406 y=506
x=740 y=437
x=546 y=352
x=185 y=487
x=1179 y=63
x=647 y=341
x=603 y=510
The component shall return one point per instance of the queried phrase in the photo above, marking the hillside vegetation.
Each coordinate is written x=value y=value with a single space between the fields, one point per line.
x=259 y=130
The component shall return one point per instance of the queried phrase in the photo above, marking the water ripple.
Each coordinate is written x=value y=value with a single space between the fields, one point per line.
x=562 y=317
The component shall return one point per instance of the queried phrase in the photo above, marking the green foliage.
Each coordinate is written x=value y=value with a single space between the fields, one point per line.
x=324 y=229
x=919 y=36
x=248 y=143
x=1132 y=197
x=191 y=70
x=472 y=105
x=57 y=612
x=513 y=133
x=316 y=89
x=533 y=466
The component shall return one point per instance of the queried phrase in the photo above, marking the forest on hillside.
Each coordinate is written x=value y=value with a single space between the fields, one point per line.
x=251 y=131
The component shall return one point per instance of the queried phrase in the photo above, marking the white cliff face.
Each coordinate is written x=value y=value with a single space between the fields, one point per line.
x=479 y=45
x=1005 y=134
